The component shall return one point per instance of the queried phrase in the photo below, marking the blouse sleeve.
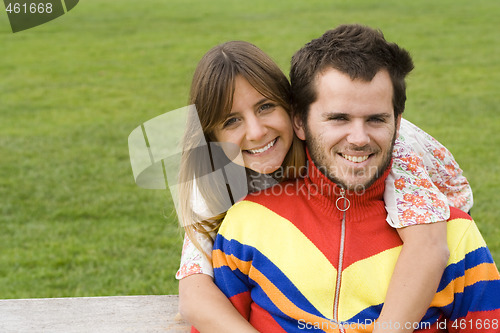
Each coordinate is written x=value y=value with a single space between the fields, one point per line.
x=193 y=261
x=424 y=180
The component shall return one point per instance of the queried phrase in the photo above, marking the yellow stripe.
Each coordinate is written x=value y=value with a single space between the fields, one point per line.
x=311 y=265
x=365 y=282
x=457 y=230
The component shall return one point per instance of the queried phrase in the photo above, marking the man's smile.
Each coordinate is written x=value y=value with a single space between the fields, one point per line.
x=355 y=159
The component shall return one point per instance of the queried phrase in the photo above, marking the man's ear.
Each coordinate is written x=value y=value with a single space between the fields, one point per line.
x=298 y=127
x=398 y=125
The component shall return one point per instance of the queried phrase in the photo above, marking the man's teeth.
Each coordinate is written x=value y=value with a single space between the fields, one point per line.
x=355 y=159
x=263 y=149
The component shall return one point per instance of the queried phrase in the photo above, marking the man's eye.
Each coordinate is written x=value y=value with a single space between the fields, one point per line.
x=337 y=118
x=377 y=120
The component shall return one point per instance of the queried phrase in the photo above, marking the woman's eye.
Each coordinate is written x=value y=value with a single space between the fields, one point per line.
x=229 y=122
x=267 y=106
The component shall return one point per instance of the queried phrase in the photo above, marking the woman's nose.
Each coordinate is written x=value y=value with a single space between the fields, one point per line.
x=255 y=129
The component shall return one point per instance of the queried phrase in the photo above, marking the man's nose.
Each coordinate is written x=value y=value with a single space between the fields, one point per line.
x=358 y=135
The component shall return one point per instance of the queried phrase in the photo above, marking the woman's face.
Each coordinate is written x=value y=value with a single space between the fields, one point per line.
x=261 y=128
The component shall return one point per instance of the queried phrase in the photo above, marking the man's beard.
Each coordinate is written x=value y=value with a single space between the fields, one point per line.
x=322 y=164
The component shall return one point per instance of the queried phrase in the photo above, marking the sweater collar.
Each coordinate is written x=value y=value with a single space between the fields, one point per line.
x=328 y=195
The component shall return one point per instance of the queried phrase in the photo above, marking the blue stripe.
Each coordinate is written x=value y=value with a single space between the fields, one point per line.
x=370 y=314
x=481 y=296
x=286 y=322
x=230 y=282
x=431 y=316
x=471 y=260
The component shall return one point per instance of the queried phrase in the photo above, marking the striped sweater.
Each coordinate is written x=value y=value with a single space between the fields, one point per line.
x=291 y=261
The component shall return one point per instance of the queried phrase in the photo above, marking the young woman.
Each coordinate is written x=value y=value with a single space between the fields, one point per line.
x=242 y=98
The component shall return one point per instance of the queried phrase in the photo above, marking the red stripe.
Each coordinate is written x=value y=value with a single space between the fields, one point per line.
x=325 y=231
x=263 y=321
x=242 y=302
x=475 y=322
x=456 y=213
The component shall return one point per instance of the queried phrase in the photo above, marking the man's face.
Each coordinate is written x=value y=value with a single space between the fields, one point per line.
x=350 y=128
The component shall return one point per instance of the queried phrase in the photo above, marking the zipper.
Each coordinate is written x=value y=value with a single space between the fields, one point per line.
x=346 y=206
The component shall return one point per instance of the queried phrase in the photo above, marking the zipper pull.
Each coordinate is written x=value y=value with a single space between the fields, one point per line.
x=347 y=203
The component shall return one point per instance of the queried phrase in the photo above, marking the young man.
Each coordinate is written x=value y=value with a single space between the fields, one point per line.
x=317 y=253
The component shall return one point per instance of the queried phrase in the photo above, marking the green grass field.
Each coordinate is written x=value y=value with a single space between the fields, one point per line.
x=73 y=223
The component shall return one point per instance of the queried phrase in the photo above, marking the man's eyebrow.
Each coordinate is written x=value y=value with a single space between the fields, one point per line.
x=384 y=115
x=336 y=115
x=332 y=114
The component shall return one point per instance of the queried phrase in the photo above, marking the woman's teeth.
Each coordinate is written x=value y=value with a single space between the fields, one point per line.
x=263 y=149
x=355 y=159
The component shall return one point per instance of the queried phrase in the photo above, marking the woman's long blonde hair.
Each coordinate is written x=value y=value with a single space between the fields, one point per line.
x=211 y=92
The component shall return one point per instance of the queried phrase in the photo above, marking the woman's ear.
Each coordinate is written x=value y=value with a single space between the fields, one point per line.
x=298 y=127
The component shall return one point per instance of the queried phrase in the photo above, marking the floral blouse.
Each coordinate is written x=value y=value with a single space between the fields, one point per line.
x=425 y=180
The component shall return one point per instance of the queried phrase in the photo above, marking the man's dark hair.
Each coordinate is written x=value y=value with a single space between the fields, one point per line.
x=356 y=50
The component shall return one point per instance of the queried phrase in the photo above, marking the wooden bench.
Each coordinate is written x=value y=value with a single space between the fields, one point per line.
x=141 y=314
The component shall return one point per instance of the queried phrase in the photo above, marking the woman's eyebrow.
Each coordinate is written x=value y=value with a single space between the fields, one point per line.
x=265 y=99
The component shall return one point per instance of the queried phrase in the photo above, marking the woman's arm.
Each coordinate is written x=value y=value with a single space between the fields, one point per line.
x=416 y=277
x=204 y=306
x=424 y=181
x=201 y=303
